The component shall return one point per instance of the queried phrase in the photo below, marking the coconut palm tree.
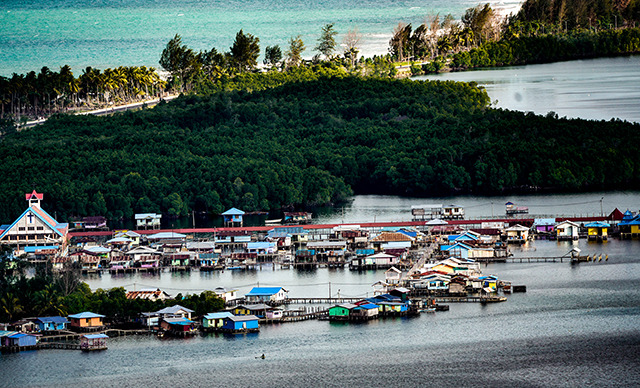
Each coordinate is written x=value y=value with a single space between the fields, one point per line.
x=11 y=307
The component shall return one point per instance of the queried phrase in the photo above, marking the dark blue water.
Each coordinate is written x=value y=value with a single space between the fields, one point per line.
x=575 y=326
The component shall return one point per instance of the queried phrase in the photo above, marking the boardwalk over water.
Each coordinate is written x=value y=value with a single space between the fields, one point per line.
x=319 y=228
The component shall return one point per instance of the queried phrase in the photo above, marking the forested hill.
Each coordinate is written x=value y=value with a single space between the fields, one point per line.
x=307 y=143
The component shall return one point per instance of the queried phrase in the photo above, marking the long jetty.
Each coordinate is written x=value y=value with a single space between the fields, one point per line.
x=322 y=227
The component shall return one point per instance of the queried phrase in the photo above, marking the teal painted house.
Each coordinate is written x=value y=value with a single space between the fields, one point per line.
x=51 y=323
x=233 y=217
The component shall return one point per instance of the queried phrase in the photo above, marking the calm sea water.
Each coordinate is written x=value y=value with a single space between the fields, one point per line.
x=598 y=89
x=575 y=326
x=101 y=33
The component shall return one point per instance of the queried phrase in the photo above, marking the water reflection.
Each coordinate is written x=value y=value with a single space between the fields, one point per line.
x=599 y=89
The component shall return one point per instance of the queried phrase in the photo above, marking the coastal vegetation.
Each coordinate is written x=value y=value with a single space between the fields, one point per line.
x=542 y=31
x=308 y=137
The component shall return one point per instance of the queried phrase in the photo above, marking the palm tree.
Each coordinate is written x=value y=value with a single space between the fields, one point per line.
x=10 y=306
x=49 y=302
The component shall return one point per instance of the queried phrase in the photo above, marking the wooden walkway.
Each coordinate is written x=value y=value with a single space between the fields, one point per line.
x=297 y=318
x=469 y=299
x=554 y=259
x=58 y=345
x=321 y=300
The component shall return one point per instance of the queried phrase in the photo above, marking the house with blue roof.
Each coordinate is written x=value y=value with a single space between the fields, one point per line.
x=86 y=321
x=466 y=236
x=269 y=295
x=262 y=248
x=19 y=340
x=214 y=321
x=148 y=220
x=180 y=326
x=597 y=231
x=233 y=217
x=544 y=225
x=364 y=311
x=630 y=225
x=51 y=323
x=393 y=308
x=240 y=324
x=35 y=232
x=89 y=342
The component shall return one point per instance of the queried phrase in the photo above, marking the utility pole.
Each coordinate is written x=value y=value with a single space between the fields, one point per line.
x=329 y=291
x=601 y=210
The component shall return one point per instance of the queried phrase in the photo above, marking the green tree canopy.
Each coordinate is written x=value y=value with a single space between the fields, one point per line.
x=327 y=42
x=178 y=59
x=272 y=55
x=245 y=51
x=294 y=54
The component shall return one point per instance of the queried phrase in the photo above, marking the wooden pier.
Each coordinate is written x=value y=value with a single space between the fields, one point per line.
x=321 y=300
x=551 y=259
x=470 y=299
x=297 y=318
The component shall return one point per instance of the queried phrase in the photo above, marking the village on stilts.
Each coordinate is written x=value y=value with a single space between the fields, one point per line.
x=429 y=262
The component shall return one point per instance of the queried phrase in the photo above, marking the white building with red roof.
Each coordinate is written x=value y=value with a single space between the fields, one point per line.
x=35 y=231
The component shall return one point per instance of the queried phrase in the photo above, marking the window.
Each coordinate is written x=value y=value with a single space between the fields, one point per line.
x=31 y=228
x=21 y=228
x=40 y=228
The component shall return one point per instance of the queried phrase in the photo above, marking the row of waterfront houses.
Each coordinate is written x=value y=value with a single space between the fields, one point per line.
x=42 y=239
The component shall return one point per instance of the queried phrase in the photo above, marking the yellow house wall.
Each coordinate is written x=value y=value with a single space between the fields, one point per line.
x=443 y=268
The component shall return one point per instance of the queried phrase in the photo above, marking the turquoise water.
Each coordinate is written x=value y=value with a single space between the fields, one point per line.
x=36 y=33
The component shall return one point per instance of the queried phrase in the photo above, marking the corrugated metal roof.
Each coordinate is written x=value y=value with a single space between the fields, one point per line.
x=86 y=314
x=597 y=224
x=242 y=318
x=95 y=336
x=173 y=310
x=33 y=249
x=233 y=212
x=264 y=291
x=223 y=314
x=368 y=306
x=52 y=319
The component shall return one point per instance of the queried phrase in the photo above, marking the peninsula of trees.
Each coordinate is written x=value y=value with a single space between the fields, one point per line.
x=316 y=139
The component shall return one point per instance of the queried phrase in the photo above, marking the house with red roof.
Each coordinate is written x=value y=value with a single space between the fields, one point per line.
x=35 y=232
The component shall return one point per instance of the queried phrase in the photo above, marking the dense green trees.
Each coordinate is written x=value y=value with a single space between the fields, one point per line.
x=307 y=137
x=518 y=50
x=61 y=293
x=47 y=92
x=592 y=14
x=37 y=298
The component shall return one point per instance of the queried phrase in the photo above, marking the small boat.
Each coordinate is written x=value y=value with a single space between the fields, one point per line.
x=427 y=310
x=235 y=267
